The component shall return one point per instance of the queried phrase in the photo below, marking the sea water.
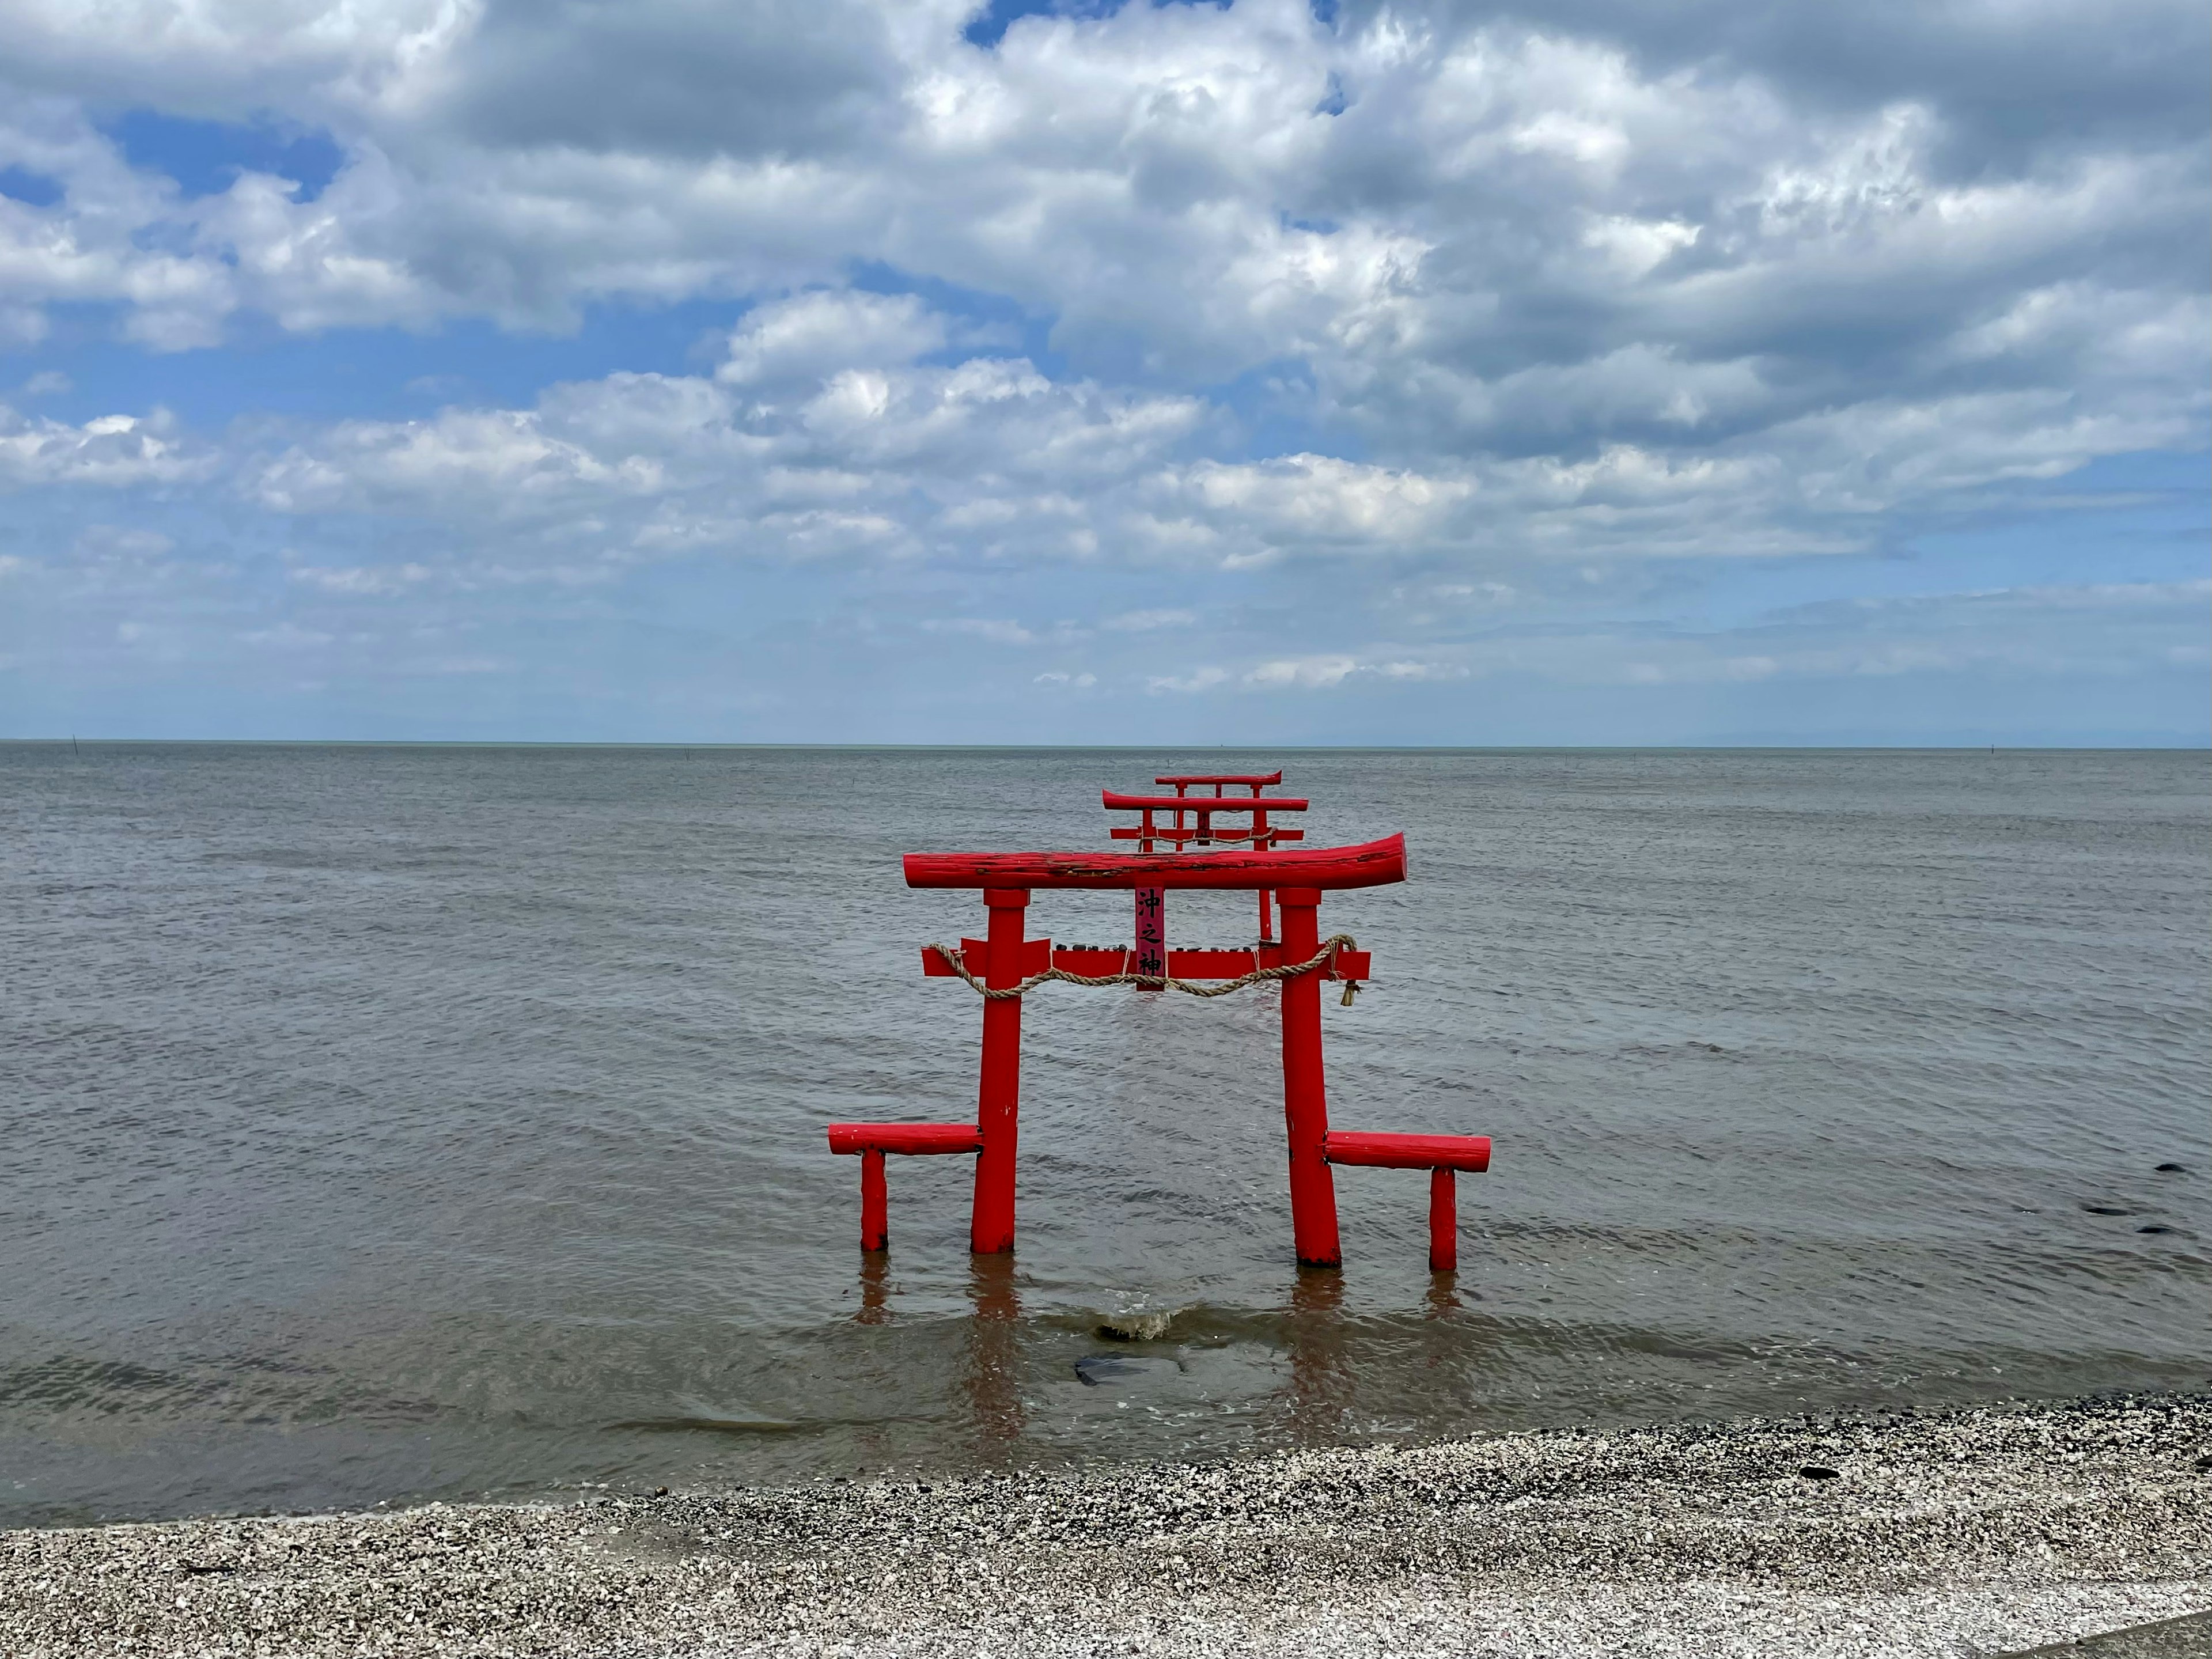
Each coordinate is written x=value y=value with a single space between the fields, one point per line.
x=379 y=1124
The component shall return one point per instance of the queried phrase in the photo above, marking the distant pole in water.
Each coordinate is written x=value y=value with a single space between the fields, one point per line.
x=73 y=749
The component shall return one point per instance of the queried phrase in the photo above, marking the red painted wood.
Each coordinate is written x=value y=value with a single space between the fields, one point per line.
x=1194 y=816
x=1443 y=1221
x=975 y=957
x=907 y=1139
x=1349 y=964
x=1038 y=954
x=1208 y=805
x=1092 y=963
x=1372 y=864
x=1150 y=955
x=1470 y=1152
x=1269 y=836
x=875 y=1202
x=998 y=1094
x=1212 y=964
x=1253 y=779
x=1305 y=1098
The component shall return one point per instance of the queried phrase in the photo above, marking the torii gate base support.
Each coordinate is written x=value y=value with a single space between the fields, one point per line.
x=871 y=1141
x=1440 y=1155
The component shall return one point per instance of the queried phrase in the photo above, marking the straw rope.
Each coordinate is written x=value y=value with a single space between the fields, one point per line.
x=1326 y=957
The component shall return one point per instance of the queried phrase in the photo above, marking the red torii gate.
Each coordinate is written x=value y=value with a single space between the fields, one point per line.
x=1260 y=835
x=1005 y=965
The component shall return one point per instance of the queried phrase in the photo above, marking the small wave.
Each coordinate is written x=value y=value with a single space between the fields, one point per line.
x=699 y=1418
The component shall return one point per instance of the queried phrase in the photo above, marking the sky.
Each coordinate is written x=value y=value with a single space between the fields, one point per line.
x=1267 y=373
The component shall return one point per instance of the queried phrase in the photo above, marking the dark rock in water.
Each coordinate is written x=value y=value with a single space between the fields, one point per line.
x=1095 y=1369
x=2172 y=1169
x=2106 y=1209
x=1818 y=1472
x=2153 y=1228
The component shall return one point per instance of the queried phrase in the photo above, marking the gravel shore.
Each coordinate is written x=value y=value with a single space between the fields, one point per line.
x=1953 y=1535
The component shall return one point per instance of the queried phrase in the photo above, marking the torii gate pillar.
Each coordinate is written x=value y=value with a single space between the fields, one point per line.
x=998 y=1095
x=1305 y=1096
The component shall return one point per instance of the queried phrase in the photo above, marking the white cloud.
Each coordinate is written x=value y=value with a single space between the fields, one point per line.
x=1699 y=670
x=1321 y=672
x=1198 y=679
x=1308 y=671
x=113 y=451
x=1194 y=190
x=287 y=636
x=1297 y=350
x=814 y=338
x=364 y=581
x=1147 y=621
x=1315 y=501
x=804 y=452
x=500 y=460
x=997 y=631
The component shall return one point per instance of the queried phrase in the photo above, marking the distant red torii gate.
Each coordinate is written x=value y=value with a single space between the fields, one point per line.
x=1259 y=834
x=1001 y=963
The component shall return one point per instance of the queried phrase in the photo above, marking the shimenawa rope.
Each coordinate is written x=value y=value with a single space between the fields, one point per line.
x=1324 y=957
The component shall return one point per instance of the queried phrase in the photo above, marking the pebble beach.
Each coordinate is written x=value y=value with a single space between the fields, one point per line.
x=1973 y=1532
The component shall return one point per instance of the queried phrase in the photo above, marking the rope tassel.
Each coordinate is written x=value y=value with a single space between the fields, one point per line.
x=1325 y=957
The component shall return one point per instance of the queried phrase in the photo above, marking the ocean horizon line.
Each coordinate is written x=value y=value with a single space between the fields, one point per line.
x=2177 y=745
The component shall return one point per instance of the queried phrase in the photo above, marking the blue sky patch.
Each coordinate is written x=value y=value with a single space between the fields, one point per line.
x=206 y=157
x=989 y=26
x=32 y=188
x=371 y=373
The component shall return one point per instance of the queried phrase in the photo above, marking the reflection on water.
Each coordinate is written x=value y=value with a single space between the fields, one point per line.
x=875 y=1287
x=387 y=1122
x=1315 y=1349
x=1315 y=1344
x=1443 y=1295
x=994 y=1357
x=1320 y=1393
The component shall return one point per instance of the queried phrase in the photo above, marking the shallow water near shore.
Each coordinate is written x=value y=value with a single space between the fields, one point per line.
x=394 y=1122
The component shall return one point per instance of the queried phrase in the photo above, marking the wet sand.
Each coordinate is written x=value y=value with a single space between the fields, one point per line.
x=1951 y=1534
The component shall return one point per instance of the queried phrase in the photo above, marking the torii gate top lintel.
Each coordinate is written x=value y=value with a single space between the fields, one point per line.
x=1326 y=869
x=1115 y=801
x=1250 y=780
